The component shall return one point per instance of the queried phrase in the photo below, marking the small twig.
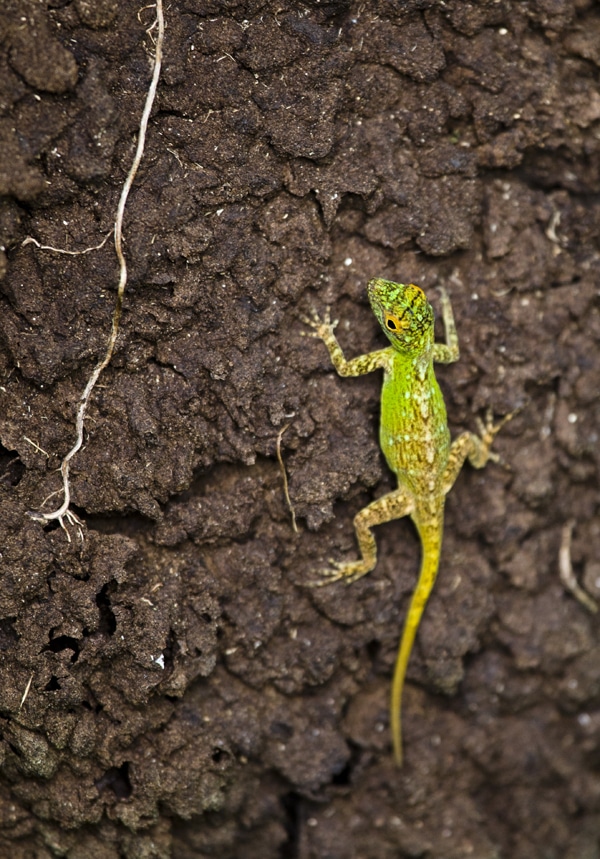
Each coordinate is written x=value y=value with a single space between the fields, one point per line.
x=63 y=511
x=37 y=447
x=284 y=477
x=551 y=227
x=31 y=241
x=565 y=568
x=26 y=692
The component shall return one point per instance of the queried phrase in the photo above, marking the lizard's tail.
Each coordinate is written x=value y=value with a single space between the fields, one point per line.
x=431 y=541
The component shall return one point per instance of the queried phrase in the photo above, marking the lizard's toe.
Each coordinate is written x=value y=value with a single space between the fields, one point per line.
x=328 y=576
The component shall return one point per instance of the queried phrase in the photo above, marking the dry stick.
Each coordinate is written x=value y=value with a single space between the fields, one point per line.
x=63 y=511
x=565 y=568
x=37 y=447
x=26 y=692
x=31 y=241
x=284 y=477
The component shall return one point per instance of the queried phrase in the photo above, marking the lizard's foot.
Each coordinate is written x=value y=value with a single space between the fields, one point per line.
x=488 y=431
x=321 y=327
x=348 y=572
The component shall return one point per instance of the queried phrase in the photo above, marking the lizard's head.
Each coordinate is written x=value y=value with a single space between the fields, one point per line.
x=404 y=314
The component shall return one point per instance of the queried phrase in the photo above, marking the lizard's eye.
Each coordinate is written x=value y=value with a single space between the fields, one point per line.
x=391 y=323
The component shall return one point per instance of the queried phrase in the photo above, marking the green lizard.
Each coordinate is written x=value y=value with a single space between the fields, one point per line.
x=415 y=441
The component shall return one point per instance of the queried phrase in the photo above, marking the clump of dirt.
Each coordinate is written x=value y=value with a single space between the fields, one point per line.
x=168 y=686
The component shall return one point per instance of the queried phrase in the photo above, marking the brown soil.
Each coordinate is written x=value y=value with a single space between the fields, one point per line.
x=185 y=694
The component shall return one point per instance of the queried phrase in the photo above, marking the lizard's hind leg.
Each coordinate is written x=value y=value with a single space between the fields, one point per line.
x=475 y=448
x=394 y=505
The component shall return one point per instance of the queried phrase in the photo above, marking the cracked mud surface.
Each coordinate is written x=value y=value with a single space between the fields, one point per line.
x=168 y=686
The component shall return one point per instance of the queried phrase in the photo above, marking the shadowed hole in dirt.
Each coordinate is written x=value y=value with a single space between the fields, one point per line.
x=52 y=685
x=11 y=467
x=108 y=621
x=292 y=806
x=373 y=649
x=219 y=756
x=52 y=525
x=92 y=707
x=15 y=750
x=343 y=777
x=169 y=651
x=282 y=731
x=8 y=635
x=125 y=524
x=594 y=760
x=116 y=779
x=64 y=642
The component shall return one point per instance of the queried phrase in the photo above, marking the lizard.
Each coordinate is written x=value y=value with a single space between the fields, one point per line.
x=415 y=440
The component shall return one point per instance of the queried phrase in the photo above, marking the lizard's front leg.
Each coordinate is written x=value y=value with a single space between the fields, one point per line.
x=448 y=352
x=394 y=505
x=323 y=329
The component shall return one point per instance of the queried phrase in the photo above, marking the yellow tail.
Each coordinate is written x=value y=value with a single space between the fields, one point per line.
x=431 y=542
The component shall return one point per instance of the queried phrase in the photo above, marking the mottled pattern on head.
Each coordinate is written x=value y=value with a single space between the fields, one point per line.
x=404 y=314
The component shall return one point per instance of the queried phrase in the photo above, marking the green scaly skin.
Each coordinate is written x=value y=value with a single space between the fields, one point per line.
x=415 y=440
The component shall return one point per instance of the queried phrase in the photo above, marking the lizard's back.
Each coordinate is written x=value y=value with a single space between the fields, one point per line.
x=414 y=433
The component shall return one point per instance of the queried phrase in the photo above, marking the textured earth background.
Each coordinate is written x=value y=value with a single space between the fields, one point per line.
x=168 y=685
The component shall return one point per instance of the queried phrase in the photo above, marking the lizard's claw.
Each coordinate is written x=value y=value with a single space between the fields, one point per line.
x=327 y=576
x=320 y=326
x=488 y=430
x=348 y=572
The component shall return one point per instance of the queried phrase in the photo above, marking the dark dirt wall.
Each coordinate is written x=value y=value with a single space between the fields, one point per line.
x=184 y=694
